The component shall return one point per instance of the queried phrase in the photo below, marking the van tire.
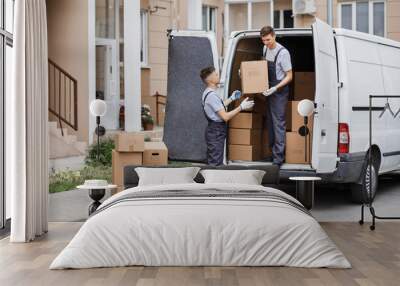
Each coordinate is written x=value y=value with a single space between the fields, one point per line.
x=360 y=192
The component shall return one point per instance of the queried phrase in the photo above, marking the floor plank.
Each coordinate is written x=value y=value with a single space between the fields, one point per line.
x=375 y=257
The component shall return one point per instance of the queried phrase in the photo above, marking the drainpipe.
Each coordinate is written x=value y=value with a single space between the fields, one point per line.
x=329 y=12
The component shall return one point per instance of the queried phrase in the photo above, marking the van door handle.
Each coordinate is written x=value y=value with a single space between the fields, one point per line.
x=323 y=132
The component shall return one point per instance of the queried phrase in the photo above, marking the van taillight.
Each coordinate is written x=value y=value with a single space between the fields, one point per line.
x=344 y=138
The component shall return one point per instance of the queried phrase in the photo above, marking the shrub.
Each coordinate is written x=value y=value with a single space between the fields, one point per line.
x=105 y=150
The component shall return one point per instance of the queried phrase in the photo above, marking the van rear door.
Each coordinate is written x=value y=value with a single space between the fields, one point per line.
x=185 y=123
x=325 y=135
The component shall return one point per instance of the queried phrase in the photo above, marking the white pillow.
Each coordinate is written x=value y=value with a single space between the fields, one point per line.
x=246 y=177
x=166 y=176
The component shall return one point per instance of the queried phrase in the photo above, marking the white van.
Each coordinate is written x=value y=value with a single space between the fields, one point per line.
x=348 y=66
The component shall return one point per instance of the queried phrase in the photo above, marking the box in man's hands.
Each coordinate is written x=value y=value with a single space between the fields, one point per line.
x=254 y=76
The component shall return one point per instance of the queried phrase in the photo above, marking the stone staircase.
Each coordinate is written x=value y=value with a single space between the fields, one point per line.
x=64 y=146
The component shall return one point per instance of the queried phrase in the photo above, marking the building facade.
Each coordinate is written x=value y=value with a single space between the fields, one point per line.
x=118 y=49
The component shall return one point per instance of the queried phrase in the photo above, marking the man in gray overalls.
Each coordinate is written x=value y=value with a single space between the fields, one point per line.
x=279 y=76
x=217 y=116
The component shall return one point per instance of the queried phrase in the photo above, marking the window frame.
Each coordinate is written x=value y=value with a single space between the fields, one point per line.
x=209 y=10
x=144 y=46
x=6 y=39
x=370 y=15
x=227 y=21
x=282 y=18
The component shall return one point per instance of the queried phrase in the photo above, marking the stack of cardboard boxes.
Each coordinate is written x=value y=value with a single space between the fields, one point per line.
x=296 y=144
x=131 y=149
x=245 y=135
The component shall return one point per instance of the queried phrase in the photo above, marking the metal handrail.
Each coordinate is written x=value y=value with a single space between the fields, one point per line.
x=163 y=102
x=60 y=96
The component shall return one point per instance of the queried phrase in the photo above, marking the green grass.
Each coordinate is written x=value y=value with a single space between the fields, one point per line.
x=179 y=164
x=68 y=180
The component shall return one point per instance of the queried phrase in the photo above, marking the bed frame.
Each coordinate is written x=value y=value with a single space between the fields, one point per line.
x=271 y=177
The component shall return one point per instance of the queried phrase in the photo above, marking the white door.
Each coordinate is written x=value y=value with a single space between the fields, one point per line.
x=107 y=81
x=325 y=135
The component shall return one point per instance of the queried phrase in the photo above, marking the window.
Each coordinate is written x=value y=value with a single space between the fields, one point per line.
x=277 y=18
x=247 y=15
x=363 y=16
x=6 y=43
x=283 y=19
x=144 y=37
x=209 y=18
x=346 y=16
x=379 y=18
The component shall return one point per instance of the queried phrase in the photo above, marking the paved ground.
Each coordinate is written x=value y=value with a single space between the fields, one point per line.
x=331 y=202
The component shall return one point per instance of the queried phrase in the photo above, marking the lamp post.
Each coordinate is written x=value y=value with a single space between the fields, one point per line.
x=98 y=108
x=305 y=108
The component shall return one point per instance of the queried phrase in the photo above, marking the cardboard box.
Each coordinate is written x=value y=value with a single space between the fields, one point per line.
x=129 y=142
x=254 y=76
x=304 y=85
x=266 y=150
x=155 y=154
x=295 y=148
x=119 y=161
x=244 y=152
x=245 y=136
x=247 y=120
x=293 y=119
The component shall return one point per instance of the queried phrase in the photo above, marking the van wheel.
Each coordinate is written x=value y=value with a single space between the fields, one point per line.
x=366 y=191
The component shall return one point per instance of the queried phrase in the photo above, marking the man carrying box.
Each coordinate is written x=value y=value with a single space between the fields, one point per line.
x=217 y=116
x=279 y=76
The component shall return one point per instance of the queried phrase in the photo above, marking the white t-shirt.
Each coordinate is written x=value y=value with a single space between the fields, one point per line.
x=283 y=62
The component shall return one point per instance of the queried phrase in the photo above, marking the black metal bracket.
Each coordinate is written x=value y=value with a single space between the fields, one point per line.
x=370 y=198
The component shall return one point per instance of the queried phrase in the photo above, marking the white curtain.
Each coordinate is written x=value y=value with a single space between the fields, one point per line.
x=27 y=123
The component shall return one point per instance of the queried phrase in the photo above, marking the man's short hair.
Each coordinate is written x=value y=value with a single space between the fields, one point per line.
x=267 y=30
x=204 y=73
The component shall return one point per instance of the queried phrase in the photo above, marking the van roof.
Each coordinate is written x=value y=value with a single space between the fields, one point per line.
x=338 y=31
x=256 y=32
x=366 y=37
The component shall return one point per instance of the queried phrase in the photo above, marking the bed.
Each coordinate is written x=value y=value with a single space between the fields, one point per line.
x=200 y=224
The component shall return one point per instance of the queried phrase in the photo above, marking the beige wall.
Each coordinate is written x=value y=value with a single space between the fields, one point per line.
x=173 y=17
x=67 y=24
x=282 y=4
x=159 y=22
x=305 y=21
x=393 y=19
x=219 y=4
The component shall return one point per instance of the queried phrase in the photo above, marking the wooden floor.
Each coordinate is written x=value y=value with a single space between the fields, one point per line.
x=375 y=257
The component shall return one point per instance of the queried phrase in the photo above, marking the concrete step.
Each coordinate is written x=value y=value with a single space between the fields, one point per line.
x=64 y=146
x=70 y=139
x=52 y=124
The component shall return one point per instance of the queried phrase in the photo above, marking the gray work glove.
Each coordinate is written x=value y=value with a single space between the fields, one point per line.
x=270 y=91
x=246 y=104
